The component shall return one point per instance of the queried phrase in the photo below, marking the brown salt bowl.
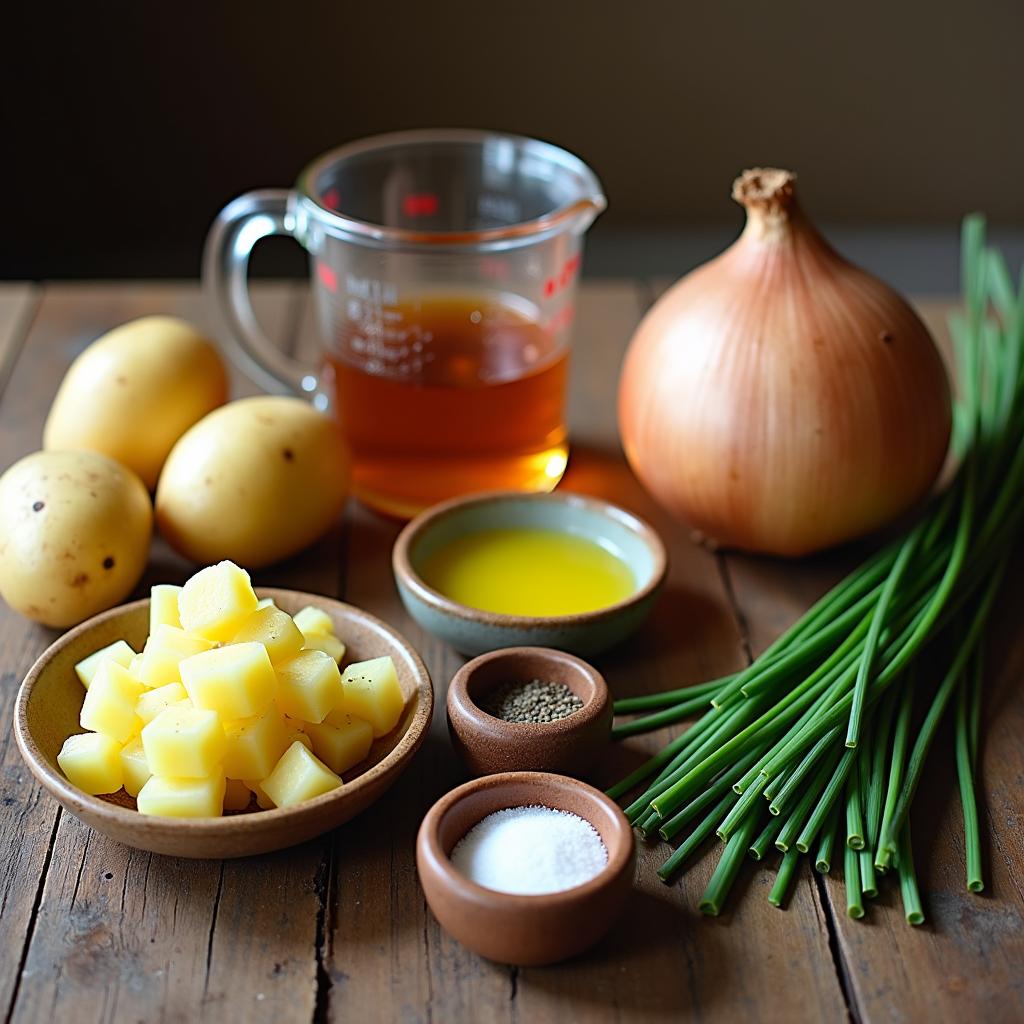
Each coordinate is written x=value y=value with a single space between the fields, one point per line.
x=50 y=701
x=567 y=746
x=510 y=928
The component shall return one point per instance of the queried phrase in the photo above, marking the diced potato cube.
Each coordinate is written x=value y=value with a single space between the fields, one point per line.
x=135 y=667
x=183 y=797
x=298 y=776
x=263 y=802
x=293 y=730
x=254 y=744
x=275 y=630
x=330 y=645
x=163 y=606
x=134 y=766
x=309 y=686
x=118 y=651
x=216 y=601
x=165 y=649
x=184 y=743
x=265 y=602
x=372 y=691
x=109 y=705
x=237 y=795
x=237 y=681
x=341 y=741
x=152 y=702
x=92 y=762
x=314 y=620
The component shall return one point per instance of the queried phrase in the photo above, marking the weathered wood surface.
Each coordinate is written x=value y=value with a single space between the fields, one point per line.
x=337 y=929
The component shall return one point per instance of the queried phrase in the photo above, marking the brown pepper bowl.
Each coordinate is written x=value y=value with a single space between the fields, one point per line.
x=515 y=929
x=567 y=746
x=50 y=701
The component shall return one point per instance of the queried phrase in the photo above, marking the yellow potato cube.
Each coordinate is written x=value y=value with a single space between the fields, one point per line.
x=330 y=645
x=314 y=620
x=135 y=667
x=216 y=601
x=254 y=745
x=237 y=795
x=134 y=766
x=236 y=681
x=165 y=649
x=92 y=762
x=163 y=606
x=265 y=602
x=293 y=730
x=263 y=802
x=183 y=798
x=341 y=741
x=275 y=630
x=372 y=691
x=152 y=702
x=118 y=651
x=109 y=705
x=298 y=776
x=309 y=686
x=184 y=743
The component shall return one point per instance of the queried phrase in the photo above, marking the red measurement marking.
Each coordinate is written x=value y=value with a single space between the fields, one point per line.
x=420 y=204
x=331 y=199
x=494 y=268
x=549 y=287
x=328 y=278
x=562 y=319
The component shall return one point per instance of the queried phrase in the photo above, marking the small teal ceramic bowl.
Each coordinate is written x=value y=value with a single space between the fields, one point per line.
x=474 y=631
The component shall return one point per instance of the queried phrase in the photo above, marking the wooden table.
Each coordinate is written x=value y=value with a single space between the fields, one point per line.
x=337 y=929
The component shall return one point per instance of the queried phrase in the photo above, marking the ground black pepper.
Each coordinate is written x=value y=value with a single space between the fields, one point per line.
x=534 y=702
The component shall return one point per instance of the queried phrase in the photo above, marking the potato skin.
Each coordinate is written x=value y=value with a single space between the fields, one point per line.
x=74 y=535
x=133 y=392
x=254 y=481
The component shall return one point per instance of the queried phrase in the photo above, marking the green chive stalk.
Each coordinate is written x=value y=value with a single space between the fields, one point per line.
x=784 y=878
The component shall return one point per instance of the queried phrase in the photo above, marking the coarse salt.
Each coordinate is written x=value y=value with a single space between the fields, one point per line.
x=530 y=851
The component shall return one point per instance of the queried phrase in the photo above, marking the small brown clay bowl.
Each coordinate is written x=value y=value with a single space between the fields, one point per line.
x=473 y=630
x=567 y=746
x=50 y=701
x=515 y=929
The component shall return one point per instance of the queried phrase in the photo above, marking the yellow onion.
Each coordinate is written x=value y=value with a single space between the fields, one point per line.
x=778 y=398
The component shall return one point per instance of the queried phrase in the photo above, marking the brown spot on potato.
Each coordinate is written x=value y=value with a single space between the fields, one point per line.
x=289 y=455
x=38 y=506
x=80 y=580
x=886 y=336
x=121 y=379
x=108 y=562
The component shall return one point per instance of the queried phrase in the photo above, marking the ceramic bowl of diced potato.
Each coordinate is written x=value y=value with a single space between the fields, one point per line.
x=217 y=721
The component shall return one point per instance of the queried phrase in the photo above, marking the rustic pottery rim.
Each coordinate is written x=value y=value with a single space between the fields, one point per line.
x=620 y=851
x=237 y=824
x=469 y=709
x=429 y=518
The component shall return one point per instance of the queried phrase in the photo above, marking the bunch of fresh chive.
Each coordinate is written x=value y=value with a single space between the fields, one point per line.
x=819 y=745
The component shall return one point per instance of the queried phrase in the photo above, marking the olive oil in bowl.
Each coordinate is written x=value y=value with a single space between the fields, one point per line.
x=529 y=571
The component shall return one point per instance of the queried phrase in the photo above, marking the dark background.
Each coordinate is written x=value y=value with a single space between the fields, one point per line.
x=127 y=126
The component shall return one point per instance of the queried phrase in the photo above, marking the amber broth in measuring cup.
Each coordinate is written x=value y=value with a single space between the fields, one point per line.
x=447 y=394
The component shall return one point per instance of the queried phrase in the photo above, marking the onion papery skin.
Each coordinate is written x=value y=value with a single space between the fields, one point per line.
x=780 y=400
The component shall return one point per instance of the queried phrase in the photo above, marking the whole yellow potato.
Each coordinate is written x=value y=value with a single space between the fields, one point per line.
x=133 y=392
x=74 y=535
x=254 y=482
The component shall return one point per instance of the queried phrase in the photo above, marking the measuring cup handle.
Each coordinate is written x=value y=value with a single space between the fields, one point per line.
x=237 y=229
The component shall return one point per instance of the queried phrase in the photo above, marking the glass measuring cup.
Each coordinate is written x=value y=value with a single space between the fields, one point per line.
x=443 y=267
